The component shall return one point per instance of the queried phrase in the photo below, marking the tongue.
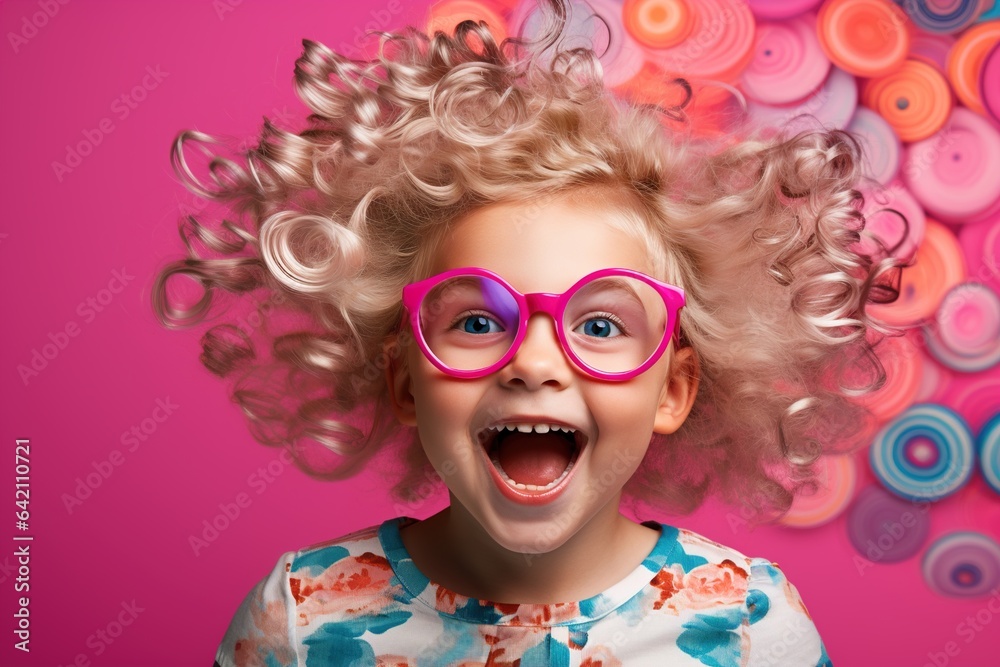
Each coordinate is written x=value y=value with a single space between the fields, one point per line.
x=534 y=458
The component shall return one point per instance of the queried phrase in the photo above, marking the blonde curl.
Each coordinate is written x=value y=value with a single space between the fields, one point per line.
x=324 y=226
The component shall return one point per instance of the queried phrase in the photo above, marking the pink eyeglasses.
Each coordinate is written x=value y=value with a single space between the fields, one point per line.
x=613 y=323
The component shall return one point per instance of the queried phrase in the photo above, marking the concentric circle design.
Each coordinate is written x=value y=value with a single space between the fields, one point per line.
x=884 y=528
x=621 y=56
x=966 y=62
x=989 y=83
x=864 y=37
x=659 y=24
x=836 y=478
x=938 y=265
x=946 y=17
x=882 y=150
x=904 y=370
x=962 y=564
x=969 y=319
x=981 y=246
x=989 y=452
x=977 y=399
x=719 y=46
x=955 y=174
x=832 y=106
x=965 y=335
x=926 y=453
x=915 y=99
x=788 y=63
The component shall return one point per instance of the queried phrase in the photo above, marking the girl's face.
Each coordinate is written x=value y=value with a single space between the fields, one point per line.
x=539 y=248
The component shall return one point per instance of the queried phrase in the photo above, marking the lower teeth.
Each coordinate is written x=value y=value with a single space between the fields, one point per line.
x=531 y=487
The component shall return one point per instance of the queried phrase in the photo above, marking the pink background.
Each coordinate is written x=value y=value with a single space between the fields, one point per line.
x=127 y=544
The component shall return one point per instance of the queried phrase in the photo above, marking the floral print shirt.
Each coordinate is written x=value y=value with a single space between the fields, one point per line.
x=359 y=601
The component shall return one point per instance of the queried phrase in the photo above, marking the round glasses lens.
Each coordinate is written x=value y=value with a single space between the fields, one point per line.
x=469 y=322
x=615 y=323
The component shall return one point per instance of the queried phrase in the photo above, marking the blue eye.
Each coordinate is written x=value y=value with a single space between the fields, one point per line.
x=480 y=324
x=599 y=327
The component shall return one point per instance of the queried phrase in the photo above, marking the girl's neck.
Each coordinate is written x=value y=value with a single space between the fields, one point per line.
x=453 y=551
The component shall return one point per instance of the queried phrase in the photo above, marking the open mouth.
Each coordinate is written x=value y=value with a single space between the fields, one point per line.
x=533 y=457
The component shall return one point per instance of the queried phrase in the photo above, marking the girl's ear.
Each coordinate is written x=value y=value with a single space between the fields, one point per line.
x=397 y=380
x=679 y=391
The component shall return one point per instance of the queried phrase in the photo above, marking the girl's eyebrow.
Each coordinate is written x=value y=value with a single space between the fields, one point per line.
x=619 y=285
x=441 y=290
x=462 y=281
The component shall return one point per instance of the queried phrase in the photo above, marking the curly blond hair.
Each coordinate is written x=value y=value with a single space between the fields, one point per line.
x=329 y=223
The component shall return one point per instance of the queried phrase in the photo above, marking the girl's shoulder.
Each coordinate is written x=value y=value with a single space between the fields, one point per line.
x=695 y=550
x=329 y=580
x=707 y=547
x=365 y=537
x=359 y=555
x=720 y=591
x=686 y=549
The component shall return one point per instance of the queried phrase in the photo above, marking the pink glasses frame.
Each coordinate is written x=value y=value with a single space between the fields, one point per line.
x=543 y=302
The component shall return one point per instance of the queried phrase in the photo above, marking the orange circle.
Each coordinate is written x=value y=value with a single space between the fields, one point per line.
x=719 y=47
x=836 y=479
x=444 y=16
x=937 y=266
x=864 y=37
x=904 y=371
x=658 y=23
x=915 y=99
x=965 y=62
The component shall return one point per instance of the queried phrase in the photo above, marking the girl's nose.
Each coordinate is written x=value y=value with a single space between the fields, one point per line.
x=540 y=360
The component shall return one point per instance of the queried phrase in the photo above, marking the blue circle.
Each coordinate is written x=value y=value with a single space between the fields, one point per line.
x=932 y=19
x=989 y=452
x=946 y=430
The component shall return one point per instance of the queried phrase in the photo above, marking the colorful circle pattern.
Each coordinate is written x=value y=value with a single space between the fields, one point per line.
x=989 y=453
x=927 y=115
x=864 y=37
x=926 y=453
x=660 y=24
x=882 y=150
x=966 y=61
x=884 y=528
x=963 y=564
x=945 y=17
x=914 y=99
x=965 y=335
x=788 y=63
x=989 y=83
x=956 y=173
x=835 y=481
x=832 y=106
x=937 y=266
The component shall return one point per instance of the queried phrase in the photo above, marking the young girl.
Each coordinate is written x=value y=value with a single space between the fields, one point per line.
x=553 y=301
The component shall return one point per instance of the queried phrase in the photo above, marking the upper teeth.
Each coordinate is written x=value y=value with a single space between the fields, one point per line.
x=528 y=428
